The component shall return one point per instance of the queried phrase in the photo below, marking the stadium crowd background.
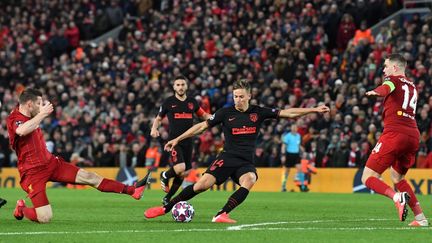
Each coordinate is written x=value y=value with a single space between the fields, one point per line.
x=295 y=53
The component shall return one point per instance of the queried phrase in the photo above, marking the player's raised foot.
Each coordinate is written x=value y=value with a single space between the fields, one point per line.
x=18 y=212
x=419 y=223
x=2 y=202
x=140 y=186
x=401 y=205
x=164 y=182
x=154 y=212
x=223 y=218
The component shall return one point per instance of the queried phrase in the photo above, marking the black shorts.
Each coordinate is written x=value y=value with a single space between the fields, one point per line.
x=292 y=159
x=221 y=171
x=182 y=154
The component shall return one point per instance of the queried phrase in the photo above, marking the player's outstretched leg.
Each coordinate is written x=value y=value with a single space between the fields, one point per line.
x=107 y=185
x=419 y=217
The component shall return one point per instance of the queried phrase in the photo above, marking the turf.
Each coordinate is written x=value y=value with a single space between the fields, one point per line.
x=91 y=216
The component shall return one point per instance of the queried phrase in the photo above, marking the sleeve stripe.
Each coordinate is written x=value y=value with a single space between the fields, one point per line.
x=390 y=84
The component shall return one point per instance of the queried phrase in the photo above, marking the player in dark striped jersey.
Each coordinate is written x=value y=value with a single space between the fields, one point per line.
x=241 y=124
x=180 y=110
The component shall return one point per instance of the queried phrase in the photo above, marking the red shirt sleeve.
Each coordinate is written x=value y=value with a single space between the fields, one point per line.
x=382 y=90
x=200 y=112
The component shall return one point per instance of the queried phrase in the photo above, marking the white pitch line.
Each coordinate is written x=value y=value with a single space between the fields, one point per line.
x=240 y=227
x=245 y=227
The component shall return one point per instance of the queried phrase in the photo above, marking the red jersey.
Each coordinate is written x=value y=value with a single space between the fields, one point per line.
x=400 y=106
x=31 y=149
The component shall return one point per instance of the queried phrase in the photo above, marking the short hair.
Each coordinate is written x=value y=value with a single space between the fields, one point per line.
x=399 y=59
x=29 y=94
x=242 y=84
x=182 y=77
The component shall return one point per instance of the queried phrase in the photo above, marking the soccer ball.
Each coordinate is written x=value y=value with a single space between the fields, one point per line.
x=182 y=212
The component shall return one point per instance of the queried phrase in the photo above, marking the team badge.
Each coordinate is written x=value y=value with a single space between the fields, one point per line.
x=18 y=123
x=253 y=117
x=190 y=106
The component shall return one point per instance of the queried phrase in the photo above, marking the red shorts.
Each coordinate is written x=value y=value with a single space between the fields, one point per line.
x=394 y=149
x=35 y=183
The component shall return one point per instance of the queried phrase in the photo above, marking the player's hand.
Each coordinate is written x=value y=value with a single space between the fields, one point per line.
x=371 y=93
x=154 y=133
x=322 y=109
x=170 y=145
x=46 y=109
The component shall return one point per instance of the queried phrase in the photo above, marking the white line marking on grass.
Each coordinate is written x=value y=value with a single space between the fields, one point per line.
x=245 y=227
x=240 y=227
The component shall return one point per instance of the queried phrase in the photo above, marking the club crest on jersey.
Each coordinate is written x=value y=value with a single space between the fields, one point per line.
x=190 y=106
x=253 y=117
x=18 y=123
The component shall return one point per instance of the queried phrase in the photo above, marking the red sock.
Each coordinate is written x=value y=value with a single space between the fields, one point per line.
x=30 y=213
x=108 y=185
x=380 y=187
x=403 y=186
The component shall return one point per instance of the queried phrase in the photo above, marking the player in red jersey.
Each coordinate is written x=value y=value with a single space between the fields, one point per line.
x=37 y=166
x=399 y=142
x=241 y=124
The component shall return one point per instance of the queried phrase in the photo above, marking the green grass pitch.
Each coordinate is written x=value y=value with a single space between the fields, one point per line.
x=91 y=216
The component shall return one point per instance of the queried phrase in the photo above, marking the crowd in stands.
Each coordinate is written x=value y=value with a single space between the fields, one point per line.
x=295 y=54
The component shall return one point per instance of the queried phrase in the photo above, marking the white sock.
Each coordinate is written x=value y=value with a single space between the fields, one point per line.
x=420 y=217
x=396 y=197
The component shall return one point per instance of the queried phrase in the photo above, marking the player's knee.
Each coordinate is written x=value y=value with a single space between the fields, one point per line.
x=201 y=186
x=44 y=218
x=250 y=178
x=364 y=178
x=396 y=179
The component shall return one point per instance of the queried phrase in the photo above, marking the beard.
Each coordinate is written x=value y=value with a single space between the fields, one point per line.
x=181 y=93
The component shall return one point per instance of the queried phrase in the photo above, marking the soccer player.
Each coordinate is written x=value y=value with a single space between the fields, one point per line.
x=399 y=142
x=241 y=124
x=37 y=166
x=180 y=109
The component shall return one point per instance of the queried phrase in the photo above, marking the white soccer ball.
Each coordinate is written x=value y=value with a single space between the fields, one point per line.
x=182 y=212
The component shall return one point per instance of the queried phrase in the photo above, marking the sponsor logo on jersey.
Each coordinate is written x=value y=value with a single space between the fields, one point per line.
x=173 y=106
x=231 y=119
x=401 y=113
x=182 y=115
x=190 y=106
x=253 y=117
x=243 y=130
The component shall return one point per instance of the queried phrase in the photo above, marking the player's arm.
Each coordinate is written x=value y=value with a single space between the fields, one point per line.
x=202 y=114
x=297 y=112
x=386 y=88
x=155 y=127
x=30 y=125
x=194 y=130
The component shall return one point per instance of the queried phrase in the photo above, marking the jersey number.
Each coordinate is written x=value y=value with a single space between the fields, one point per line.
x=412 y=102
